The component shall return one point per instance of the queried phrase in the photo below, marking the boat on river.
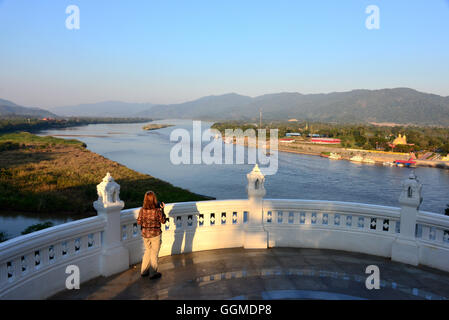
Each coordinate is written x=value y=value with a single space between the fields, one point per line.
x=405 y=163
x=368 y=160
x=334 y=156
x=356 y=159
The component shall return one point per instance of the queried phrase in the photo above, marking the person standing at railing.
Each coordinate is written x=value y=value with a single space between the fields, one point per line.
x=151 y=216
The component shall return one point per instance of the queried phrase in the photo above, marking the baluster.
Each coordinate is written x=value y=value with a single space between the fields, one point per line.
x=280 y=217
x=71 y=247
x=57 y=251
x=379 y=224
x=291 y=217
x=425 y=233
x=308 y=218
x=129 y=231
x=18 y=268
x=319 y=218
x=367 y=223
x=84 y=241
x=135 y=230
x=212 y=219
x=330 y=219
x=302 y=217
x=98 y=239
x=314 y=218
x=439 y=233
x=432 y=233
x=325 y=220
x=44 y=257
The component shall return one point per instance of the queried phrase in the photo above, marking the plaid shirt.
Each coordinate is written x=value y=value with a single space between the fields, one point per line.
x=150 y=221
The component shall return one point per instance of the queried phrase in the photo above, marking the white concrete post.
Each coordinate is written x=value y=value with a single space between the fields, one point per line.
x=255 y=236
x=405 y=247
x=114 y=257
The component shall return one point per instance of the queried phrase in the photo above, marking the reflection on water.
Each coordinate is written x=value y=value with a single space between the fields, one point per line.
x=298 y=176
x=14 y=225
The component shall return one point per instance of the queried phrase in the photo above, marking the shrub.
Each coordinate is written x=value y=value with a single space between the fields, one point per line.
x=37 y=227
x=3 y=236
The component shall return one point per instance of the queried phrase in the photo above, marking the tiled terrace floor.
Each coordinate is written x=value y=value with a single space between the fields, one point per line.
x=280 y=273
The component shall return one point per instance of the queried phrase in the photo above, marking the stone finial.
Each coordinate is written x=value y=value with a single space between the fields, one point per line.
x=411 y=191
x=108 y=194
x=256 y=181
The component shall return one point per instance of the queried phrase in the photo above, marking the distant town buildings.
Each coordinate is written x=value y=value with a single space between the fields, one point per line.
x=325 y=140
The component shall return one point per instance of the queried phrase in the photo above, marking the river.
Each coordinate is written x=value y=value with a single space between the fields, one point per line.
x=298 y=176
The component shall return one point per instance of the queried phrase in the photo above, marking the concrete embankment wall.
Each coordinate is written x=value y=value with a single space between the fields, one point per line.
x=433 y=164
x=345 y=153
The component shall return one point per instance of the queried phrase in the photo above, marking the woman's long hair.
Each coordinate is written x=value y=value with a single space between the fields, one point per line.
x=150 y=200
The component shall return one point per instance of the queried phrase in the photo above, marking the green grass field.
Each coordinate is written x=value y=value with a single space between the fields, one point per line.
x=54 y=177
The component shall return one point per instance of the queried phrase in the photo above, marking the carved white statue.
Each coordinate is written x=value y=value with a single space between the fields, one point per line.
x=108 y=193
x=256 y=181
x=411 y=194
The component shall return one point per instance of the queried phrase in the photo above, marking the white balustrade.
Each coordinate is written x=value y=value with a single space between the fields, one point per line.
x=33 y=265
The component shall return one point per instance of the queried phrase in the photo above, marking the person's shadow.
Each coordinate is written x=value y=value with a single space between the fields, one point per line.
x=184 y=234
x=185 y=228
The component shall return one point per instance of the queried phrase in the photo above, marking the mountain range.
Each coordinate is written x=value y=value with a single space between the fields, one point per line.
x=399 y=105
x=8 y=109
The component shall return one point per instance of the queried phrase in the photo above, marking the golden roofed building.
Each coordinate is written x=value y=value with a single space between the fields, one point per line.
x=400 y=140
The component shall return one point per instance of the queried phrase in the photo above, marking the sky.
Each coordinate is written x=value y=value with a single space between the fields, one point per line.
x=173 y=51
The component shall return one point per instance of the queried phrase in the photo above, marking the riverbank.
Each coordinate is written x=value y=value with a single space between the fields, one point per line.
x=57 y=177
x=379 y=157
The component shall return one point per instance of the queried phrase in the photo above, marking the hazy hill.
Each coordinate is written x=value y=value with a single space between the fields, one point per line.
x=210 y=107
x=10 y=109
x=102 y=109
x=400 y=105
